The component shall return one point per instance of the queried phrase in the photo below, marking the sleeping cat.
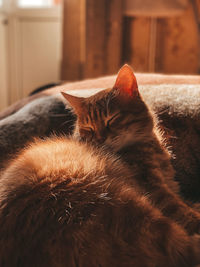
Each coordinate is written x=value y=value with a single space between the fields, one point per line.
x=120 y=119
x=65 y=202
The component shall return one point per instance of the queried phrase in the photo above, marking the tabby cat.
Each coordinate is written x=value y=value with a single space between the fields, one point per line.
x=87 y=203
x=120 y=119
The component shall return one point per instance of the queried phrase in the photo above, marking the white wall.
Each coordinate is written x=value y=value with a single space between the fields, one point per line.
x=40 y=53
x=32 y=54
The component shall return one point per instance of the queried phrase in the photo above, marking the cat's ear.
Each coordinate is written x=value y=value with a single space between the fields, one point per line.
x=75 y=101
x=126 y=82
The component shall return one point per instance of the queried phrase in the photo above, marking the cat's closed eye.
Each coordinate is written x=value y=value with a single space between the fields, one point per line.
x=113 y=120
x=119 y=121
x=86 y=132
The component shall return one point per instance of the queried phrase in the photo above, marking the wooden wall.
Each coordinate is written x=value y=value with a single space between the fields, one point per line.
x=176 y=45
x=92 y=33
x=98 y=39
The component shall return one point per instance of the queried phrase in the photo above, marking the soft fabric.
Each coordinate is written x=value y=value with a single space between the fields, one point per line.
x=104 y=82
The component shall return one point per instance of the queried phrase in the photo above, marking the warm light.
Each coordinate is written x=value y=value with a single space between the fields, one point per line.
x=36 y=3
x=57 y=2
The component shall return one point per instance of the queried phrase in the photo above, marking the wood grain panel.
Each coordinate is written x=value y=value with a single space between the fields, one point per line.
x=103 y=37
x=3 y=63
x=113 y=35
x=71 y=56
x=136 y=43
x=91 y=38
x=178 y=44
x=95 y=38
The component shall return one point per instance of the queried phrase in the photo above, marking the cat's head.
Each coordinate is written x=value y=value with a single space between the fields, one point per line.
x=116 y=116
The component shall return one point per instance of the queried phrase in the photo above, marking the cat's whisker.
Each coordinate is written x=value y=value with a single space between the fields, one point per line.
x=163 y=111
x=58 y=115
x=68 y=122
